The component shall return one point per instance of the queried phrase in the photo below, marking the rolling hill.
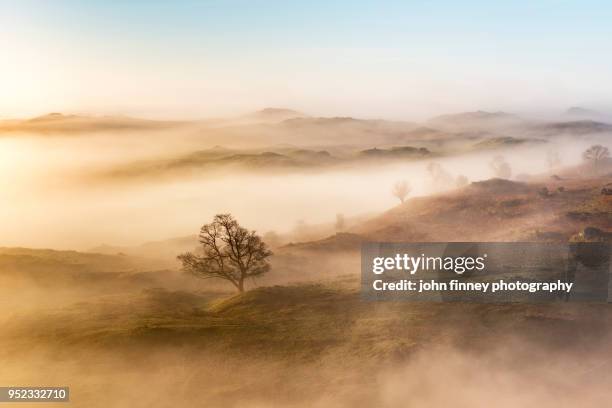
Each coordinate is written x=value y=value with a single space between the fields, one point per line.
x=57 y=123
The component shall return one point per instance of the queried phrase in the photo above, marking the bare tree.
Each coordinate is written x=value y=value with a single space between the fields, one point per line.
x=401 y=189
x=440 y=178
x=272 y=239
x=500 y=167
x=229 y=252
x=596 y=154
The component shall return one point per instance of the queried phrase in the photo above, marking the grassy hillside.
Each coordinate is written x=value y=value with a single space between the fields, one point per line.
x=498 y=210
x=123 y=326
x=303 y=346
x=31 y=279
x=303 y=322
x=57 y=123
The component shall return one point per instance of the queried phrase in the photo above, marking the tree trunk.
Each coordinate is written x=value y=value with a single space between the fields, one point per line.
x=241 y=285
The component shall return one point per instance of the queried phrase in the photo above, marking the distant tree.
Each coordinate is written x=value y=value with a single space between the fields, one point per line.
x=553 y=159
x=272 y=239
x=500 y=167
x=229 y=252
x=596 y=154
x=461 y=181
x=440 y=178
x=401 y=189
x=340 y=222
x=302 y=231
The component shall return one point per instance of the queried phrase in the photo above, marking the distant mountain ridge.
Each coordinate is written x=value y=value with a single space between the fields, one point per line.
x=579 y=112
x=576 y=128
x=70 y=124
x=478 y=120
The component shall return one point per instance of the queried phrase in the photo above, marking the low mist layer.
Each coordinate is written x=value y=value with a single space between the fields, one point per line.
x=113 y=317
x=53 y=181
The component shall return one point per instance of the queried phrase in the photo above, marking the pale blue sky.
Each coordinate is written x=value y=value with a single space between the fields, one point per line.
x=408 y=59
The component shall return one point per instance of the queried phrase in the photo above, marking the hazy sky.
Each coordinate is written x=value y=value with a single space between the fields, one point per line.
x=405 y=59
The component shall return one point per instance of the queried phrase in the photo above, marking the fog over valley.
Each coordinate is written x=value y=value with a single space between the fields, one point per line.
x=95 y=211
x=73 y=184
x=205 y=204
